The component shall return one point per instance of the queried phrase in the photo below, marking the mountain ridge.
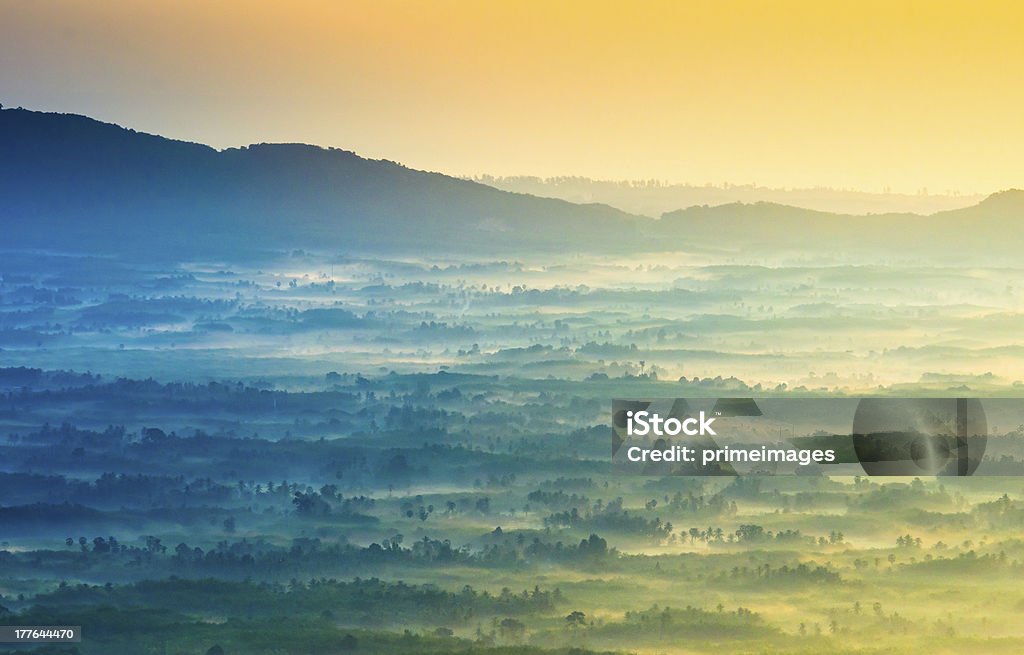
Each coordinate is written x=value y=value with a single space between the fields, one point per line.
x=655 y=197
x=65 y=172
x=71 y=182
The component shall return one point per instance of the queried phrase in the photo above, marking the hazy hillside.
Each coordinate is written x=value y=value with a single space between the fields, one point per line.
x=70 y=181
x=654 y=197
x=992 y=228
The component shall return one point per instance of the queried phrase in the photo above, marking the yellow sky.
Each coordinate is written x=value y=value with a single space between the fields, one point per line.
x=845 y=94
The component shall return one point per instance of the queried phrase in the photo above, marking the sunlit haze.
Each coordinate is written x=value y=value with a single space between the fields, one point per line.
x=865 y=95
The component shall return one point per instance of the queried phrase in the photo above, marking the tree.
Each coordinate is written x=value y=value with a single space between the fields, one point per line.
x=310 y=504
x=750 y=532
x=183 y=552
x=511 y=628
x=576 y=619
x=593 y=546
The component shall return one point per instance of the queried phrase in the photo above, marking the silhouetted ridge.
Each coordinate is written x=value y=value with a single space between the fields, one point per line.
x=72 y=183
x=995 y=225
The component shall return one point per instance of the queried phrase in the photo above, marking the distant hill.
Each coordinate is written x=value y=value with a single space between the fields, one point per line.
x=68 y=182
x=992 y=228
x=654 y=197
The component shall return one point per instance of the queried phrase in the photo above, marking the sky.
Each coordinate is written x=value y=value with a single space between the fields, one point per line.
x=862 y=95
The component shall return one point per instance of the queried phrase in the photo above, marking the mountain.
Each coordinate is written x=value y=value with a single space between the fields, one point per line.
x=72 y=183
x=654 y=197
x=68 y=181
x=992 y=228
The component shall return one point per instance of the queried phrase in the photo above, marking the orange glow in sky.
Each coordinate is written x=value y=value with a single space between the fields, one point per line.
x=861 y=94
